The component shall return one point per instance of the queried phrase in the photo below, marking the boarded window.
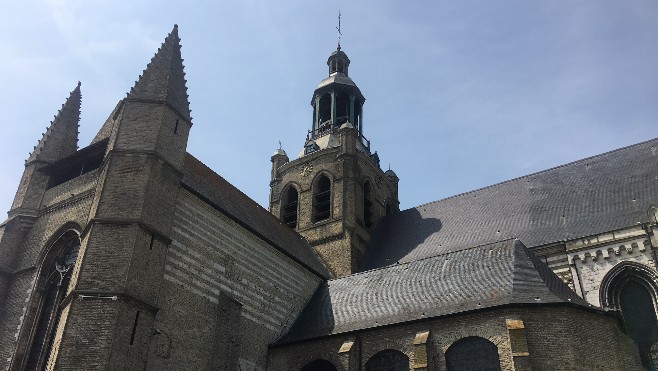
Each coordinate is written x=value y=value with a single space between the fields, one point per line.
x=322 y=199
x=473 y=354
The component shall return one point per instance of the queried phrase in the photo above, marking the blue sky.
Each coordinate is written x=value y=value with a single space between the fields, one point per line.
x=460 y=94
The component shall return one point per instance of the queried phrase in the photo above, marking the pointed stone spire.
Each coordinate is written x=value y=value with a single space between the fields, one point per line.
x=61 y=137
x=164 y=78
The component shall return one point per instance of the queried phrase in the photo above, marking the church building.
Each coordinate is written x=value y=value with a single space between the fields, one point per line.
x=131 y=254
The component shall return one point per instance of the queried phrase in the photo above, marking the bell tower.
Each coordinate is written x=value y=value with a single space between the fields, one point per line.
x=334 y=192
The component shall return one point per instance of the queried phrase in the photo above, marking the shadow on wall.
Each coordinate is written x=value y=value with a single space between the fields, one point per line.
x=398 y=235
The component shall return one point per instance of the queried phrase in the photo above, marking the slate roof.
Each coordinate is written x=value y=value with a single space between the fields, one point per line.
x=486 y=276
x=208 y=185
x=594 y=195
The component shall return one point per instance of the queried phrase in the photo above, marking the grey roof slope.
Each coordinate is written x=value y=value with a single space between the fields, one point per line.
x=207 y=184
x=485 y=276
x=594 y=195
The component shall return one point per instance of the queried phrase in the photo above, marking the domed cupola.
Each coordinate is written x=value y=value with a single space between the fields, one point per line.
x=336 y=101
x=338 y=62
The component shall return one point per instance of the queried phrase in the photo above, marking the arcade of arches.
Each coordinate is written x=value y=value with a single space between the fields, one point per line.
x=467 y=354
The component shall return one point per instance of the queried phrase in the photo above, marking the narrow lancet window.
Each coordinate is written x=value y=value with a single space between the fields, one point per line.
x=322 y=199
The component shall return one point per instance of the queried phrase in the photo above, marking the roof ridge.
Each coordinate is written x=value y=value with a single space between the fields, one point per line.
x=533 y=174
x=427 y=257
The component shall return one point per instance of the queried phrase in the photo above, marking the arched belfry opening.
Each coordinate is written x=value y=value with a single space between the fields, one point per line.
x=632 y=289
x=324 y=104
x=342 y=108
x=290 y=206
x=51 y=288
x=321 y=199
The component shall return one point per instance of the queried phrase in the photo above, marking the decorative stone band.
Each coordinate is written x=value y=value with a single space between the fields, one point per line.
x=606 y=253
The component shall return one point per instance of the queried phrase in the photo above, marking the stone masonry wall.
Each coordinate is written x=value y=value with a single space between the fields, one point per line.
x=217 y=274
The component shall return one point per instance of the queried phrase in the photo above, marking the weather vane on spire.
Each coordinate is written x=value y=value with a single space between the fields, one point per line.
x=338 y=28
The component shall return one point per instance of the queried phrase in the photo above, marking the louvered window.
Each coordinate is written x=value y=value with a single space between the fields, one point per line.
x=289 y=207
x=322 y=199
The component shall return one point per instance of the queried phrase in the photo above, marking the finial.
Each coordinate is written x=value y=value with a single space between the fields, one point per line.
x=338 y=28
x=279 y=144
x=389 y=166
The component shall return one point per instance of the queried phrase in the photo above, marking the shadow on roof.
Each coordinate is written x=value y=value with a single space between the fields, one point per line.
x=405 y=230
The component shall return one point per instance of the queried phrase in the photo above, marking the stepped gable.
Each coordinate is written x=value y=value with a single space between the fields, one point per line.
x=61 y=137
x=211 y=187
x=494 y=275
x=598 y=194
x=164 y=78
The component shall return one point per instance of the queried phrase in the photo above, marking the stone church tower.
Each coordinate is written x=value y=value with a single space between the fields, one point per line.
x=96 y=282
x=335 y=192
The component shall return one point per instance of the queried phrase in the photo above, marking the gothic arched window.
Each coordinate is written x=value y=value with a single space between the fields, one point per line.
x=322 y=199
x=388 y=360
x=630 y=288
x=289 y=203
x=367 y=205
x=472 y=354
x=52 y=285
x=319 y=365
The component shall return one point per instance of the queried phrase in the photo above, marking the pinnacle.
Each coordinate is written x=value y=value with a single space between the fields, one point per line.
x=164 y=77
x=61 y=137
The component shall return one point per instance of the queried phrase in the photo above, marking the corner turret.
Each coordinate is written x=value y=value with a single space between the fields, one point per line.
x=59 y=140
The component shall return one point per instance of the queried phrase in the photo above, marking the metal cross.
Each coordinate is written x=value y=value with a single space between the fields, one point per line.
x=338 y=28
